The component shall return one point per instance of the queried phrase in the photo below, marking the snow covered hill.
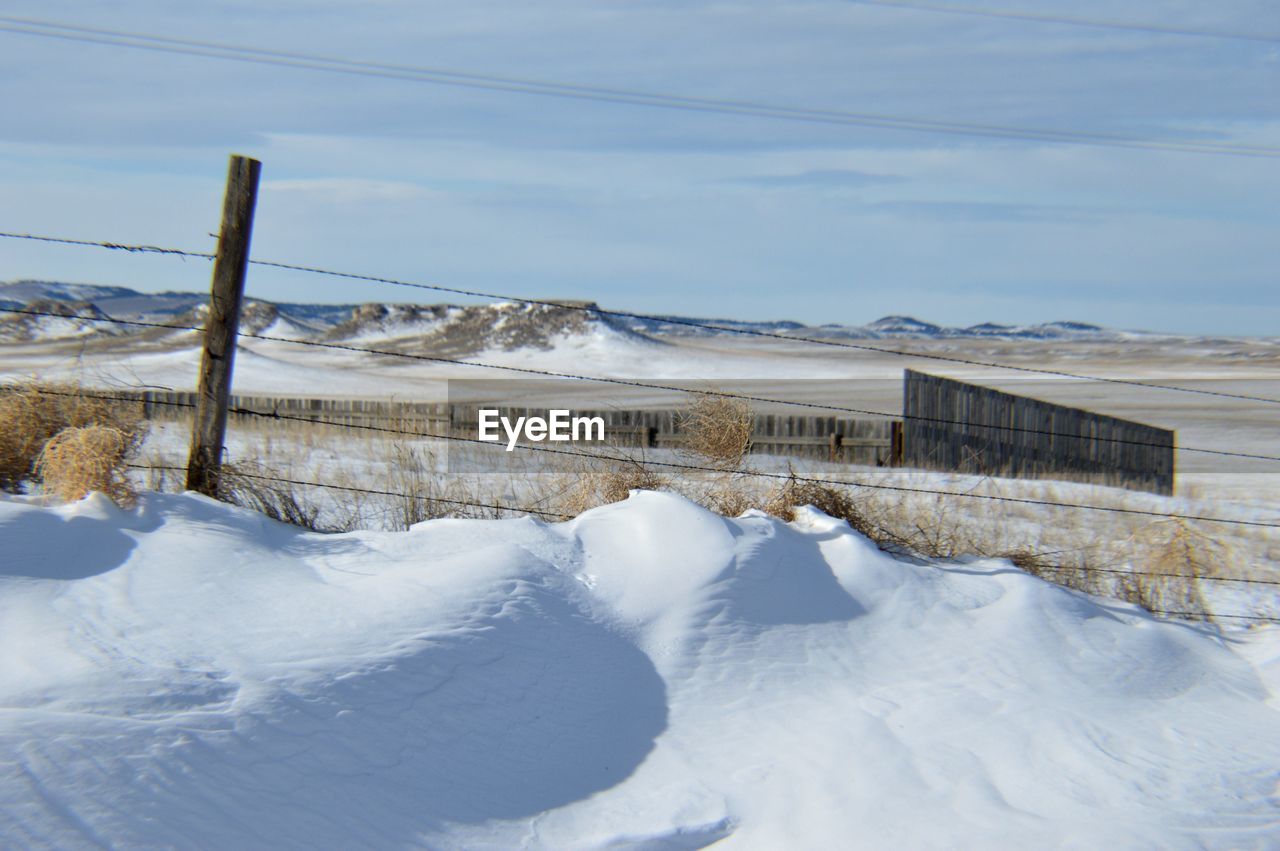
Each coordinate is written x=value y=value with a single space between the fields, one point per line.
x=468 y=329
x=649 y=675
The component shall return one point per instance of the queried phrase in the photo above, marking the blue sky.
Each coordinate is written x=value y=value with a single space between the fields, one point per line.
x=661 y=210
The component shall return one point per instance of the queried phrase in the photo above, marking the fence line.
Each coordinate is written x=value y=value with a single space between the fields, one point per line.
x=966 y=445
x=372 y=491
x=752 y=332
x=515 y=509
x=519 y=510
x=634 y=383
x=722 y=471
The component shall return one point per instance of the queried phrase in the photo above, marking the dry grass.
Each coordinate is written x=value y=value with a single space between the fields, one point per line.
x=255 y=486
x=32 y=413
x=81 y=459
x=411 y=476
x=795 y=492
x=1111 y=555
x=1177 y=555
x=591 y=487
x=717 y=430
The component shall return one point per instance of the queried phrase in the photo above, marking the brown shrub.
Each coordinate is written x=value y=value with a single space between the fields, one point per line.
x=34 y=412
x=81 y=459
x=251 y=485
x=593 y=488
x=1071 y=569
x=1167 y=578
x=728 y=501
x=717 y=430
x=830 y=500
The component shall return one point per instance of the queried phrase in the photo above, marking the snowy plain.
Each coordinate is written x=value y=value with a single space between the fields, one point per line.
x=649 y=675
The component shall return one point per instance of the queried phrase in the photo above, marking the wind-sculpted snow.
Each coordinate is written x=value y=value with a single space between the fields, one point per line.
x=649 y=675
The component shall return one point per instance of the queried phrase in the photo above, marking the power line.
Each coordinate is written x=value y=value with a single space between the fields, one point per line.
x=544 y=373
x=526 y=86
x=275 y=415
x=672 y=320
x=1156 y=29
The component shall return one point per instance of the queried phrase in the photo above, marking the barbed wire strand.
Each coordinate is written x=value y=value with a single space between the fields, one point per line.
x=670 y=320
x=517 y=510
x=276 y=415
x=373 y=491
x=653 y=385
x=526 y=510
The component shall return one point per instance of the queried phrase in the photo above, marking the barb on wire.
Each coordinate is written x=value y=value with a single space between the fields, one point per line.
x=114 y=246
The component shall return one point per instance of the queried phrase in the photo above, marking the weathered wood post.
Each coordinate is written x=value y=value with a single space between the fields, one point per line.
x=896 y=443
x=204 y=464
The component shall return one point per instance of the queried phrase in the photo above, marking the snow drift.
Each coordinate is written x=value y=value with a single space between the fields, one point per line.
x=649 y=675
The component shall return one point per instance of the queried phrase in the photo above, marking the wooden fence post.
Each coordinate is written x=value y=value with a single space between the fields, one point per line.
x=204 y=464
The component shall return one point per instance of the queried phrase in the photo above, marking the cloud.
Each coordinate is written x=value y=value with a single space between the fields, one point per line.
x=816 y=179
x=986 y=211
x=669 y=210
x=346 y=190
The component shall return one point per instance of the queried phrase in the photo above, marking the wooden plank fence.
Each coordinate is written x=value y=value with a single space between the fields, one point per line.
x=948 y=425
x=853 y=441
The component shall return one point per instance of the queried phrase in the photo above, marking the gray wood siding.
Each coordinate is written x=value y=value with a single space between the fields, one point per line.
x=955 y=426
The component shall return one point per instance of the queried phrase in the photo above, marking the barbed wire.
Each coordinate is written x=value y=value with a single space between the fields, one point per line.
x=649 y=385
x=1069 y=568
x=670 y=320
x=561 y=516
x=556 y=515
x=1203 y=615
x=371 y=491
x=595 y=456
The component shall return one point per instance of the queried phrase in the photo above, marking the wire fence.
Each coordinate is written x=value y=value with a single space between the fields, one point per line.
x=648 y=385
x=672 y=465
x=525 y=509
x=701 y=468
x=673 y=320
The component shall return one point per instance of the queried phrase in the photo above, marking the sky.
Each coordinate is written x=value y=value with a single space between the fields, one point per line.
x=671 y=211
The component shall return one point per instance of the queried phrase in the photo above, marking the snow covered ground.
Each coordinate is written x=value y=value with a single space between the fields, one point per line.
x=791 y=371
x=649 y=675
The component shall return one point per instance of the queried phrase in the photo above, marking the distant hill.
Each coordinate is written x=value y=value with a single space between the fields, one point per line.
x=456 y=330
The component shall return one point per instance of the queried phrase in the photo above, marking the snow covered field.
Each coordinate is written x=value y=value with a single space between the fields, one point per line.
x=649 y=675
x=775 y=369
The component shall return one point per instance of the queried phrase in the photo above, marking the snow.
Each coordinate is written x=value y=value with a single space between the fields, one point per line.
x=649 y=675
